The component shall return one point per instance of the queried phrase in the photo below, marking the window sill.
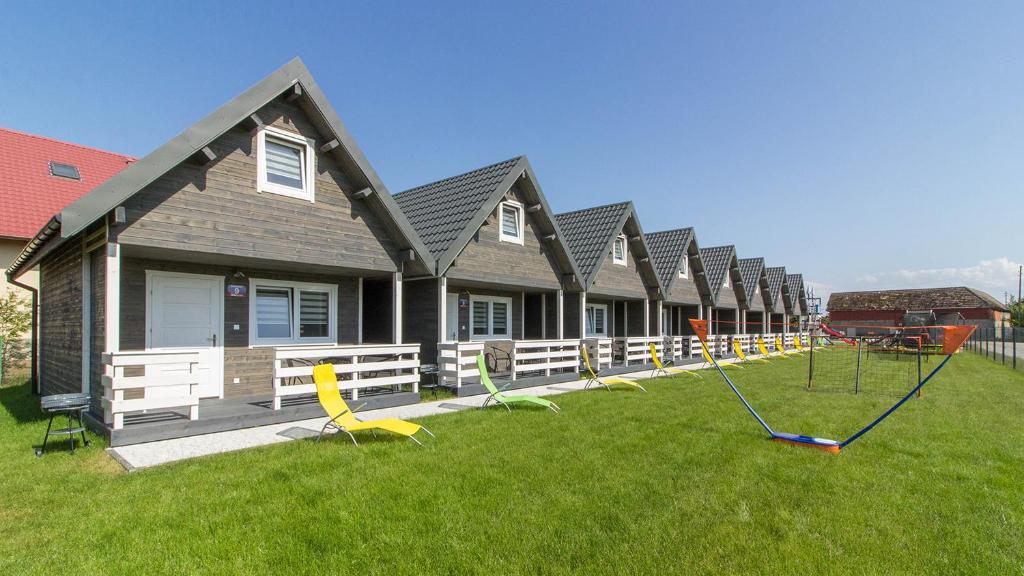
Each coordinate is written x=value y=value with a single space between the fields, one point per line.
x=268 y=188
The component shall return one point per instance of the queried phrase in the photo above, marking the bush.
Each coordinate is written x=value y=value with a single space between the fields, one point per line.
x=15 y=322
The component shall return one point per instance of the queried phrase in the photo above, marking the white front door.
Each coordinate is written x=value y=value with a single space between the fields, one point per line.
x=185 y=311
x=452 y=318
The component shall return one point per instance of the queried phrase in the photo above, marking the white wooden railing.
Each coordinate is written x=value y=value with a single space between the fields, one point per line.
x=676 y=347
x=744 y=342
x=600 y=352
x=544 y=356
x=456 y=361
x=787 y=340
x=357 y=367
x=166 y=379
x=694 y=350
x=638 y=348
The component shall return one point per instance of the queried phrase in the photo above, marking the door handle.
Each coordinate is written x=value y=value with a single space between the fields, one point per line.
x=213 y=339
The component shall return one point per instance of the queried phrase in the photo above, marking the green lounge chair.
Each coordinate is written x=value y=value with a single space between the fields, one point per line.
x=503 y=399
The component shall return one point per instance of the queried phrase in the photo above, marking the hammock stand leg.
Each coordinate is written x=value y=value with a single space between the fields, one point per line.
x=895 y=406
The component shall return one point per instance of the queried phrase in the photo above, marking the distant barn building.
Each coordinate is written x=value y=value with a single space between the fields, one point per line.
x=955 y=305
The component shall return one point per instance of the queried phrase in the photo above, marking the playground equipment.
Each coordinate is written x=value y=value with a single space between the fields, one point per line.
x=949 y=337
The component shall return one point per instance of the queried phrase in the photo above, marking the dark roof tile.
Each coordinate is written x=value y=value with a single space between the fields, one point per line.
x=667 y=249
x=441 y=210
x=588 y=233
x=717 y=260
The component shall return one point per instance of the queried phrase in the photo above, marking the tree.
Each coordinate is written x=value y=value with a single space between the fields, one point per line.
x=1016 y=311
x=15 y=322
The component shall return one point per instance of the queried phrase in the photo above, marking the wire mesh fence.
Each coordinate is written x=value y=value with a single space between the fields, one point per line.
x=1001 y=343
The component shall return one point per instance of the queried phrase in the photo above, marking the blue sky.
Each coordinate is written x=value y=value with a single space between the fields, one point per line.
x=866 y=145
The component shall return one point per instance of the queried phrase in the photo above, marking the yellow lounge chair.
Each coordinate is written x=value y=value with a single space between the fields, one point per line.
x=344 y=420
x=782 y=348
x=593 y=378
x=707 y=358
x=762 y=348
x=668 y=369
x=738 y=348
x=798 y=344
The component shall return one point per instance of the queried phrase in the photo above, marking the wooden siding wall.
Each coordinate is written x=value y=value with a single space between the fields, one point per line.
x=635 y=317
x=421 y=316
x=754 y=322
x=571 y=315
x=727 y=297
x=534 y=313
x=619 y=328
x=98 y=313
x=378 y=323
x=755 y=302
x=684 y=291
x=551 y=316
x=654 y=318
x=252 y=366
x=517 y=307
x=617 y=280
x=60 y=320
x=729 y=318
x=216 y=209
x=487 y=259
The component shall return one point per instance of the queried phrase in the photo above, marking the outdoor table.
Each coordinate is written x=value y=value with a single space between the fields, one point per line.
x=70 y=404
x=432 y=371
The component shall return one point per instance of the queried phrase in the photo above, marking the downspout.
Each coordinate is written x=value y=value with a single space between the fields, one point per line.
x=34 y=368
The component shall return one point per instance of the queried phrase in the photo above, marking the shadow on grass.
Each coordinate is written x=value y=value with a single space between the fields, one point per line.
x=21 y=404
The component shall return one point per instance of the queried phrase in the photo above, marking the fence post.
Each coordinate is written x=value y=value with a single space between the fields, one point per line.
x=1002 y=336
x=1013 y=346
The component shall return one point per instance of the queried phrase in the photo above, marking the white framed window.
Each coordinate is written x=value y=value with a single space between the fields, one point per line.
x=292 y=313
x=285 y=163
x=684 y=268
x=490 y=318
x=619 y=251
x=597 y=320
x=511 y=222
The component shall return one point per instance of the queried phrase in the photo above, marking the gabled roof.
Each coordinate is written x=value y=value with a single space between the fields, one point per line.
x=589 y=234
x=776 y=281
x=951 y=298
x=448 y=213
x=717 y=262
x=442 y=210
x=796 y=290
x=30 y=194
x=751 y=270
x=112 y=193
x=668 y=248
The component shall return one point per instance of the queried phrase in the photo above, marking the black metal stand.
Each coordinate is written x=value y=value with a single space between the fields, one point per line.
x=71 y=405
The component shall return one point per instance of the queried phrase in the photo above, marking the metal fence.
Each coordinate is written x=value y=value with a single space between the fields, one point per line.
x=1003 y=344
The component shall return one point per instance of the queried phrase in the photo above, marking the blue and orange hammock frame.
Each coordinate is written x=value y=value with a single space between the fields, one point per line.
x=953 y=338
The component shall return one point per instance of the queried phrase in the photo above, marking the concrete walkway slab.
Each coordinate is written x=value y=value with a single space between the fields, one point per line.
x=138 y=456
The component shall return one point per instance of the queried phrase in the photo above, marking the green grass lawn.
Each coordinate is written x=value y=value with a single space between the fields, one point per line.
x=678 y=480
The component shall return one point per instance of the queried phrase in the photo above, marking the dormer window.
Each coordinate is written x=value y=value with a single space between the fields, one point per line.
x=684 y=268
x=285 y=162
x=619 y=251
x=64 y=170
x=511 y=222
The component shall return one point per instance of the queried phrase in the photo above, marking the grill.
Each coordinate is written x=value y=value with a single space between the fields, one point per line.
x=71 y=405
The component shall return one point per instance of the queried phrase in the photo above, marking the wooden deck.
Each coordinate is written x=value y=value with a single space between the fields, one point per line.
x=218 y=415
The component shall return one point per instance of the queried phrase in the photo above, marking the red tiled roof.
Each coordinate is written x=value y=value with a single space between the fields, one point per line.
x=29 y=194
